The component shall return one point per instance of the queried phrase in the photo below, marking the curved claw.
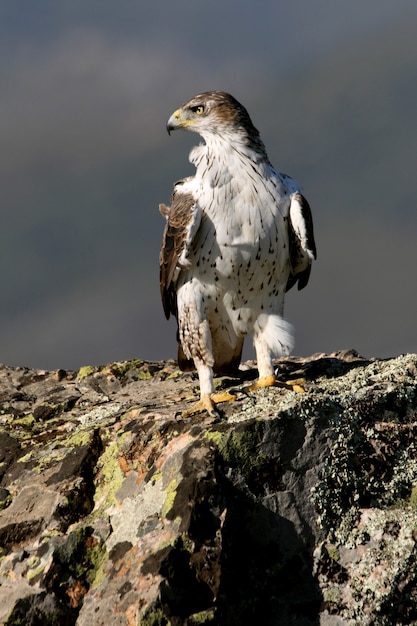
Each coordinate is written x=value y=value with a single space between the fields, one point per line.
x=264 y=381
x=297 y=385
x=223 y=396
x=208 y=403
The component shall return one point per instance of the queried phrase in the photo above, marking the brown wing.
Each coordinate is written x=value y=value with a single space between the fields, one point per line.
x=183 y=219
x=301 y=241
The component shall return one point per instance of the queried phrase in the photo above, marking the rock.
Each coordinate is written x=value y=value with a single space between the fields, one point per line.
x=295 y=509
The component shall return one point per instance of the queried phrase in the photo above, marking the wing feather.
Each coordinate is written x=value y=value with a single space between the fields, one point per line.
x=301 y=241
x=183 y=219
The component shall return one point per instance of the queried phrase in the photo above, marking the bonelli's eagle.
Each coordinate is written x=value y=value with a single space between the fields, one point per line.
x=238 y=236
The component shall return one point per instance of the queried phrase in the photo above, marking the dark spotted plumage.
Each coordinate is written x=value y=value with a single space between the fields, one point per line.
x=180 y=216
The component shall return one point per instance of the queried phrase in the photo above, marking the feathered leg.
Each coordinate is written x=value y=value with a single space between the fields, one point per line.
x=272 y=337
x=208 y=399
x=266 y=372
x=195 y=337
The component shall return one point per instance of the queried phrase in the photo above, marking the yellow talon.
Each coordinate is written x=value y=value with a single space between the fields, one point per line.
x=297 y=385
x=299 y=388
x=265 y=381
x=208 y=403
x=223 y=396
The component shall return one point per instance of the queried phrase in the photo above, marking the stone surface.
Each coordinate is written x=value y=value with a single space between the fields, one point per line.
x=295 y=509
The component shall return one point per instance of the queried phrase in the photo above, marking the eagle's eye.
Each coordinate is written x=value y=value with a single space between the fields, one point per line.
x=198 y=109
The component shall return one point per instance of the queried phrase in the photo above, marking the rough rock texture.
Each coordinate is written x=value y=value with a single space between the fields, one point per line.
x=295 y=509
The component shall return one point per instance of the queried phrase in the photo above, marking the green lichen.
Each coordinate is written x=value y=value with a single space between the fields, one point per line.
x=86 y=370
x=120 y=369
x=154 y=616
x=157 y=475
x=110 y=476
x=332 y=551
x=203 y=617
x=26 y=421
x=45 y=459
x=144 y=375
x=35 y=571
x=175 y=374
x=78 y=438
x=332 y=596
x=214 y=435
x=56 y=451
x=33 y=561
x=171 y=492
x=82 y=556
x=5 y=500
x=97 y=556
x=183 y=543
x=241 y=447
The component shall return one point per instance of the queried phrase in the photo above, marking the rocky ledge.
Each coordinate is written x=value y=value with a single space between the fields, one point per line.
x=292 y=508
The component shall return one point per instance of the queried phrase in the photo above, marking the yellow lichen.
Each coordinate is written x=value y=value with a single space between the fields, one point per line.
x=86 y=370
x=110 y=476
x=26 y=420
x=175 y=374
x=171 y=492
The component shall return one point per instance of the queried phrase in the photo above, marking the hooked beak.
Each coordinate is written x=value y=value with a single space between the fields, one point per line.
x=174 y=121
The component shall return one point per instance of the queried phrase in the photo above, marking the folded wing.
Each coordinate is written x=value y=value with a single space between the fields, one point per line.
x=183 y=219
x=301 y=241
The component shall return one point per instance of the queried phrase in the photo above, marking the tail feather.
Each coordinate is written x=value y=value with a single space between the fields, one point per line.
x=185 y=365
x=277 y=334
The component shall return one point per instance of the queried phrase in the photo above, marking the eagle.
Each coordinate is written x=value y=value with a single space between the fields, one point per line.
x=238 y=235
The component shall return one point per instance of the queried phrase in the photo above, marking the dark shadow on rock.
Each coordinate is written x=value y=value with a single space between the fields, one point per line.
x=290 y=368
x=247 y=549
x=266 y=568
x=39 y=609
x=269 y=531
x=329 y=366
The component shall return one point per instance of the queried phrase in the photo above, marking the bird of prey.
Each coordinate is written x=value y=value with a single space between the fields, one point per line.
x=238 y=236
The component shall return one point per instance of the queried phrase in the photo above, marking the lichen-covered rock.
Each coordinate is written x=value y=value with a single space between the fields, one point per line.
x=292 y=509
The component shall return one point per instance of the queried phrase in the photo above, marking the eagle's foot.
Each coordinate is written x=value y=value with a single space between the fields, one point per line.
x=297 y=385
x=263 y=381
x=208 y=403
x=223 y=396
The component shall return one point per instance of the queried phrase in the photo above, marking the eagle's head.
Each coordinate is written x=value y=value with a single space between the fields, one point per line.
x=215 y=113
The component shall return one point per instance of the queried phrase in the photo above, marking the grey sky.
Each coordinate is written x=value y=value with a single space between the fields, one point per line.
x=85 y=159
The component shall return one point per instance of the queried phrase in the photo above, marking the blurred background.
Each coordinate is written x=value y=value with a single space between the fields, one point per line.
x=86 y=89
